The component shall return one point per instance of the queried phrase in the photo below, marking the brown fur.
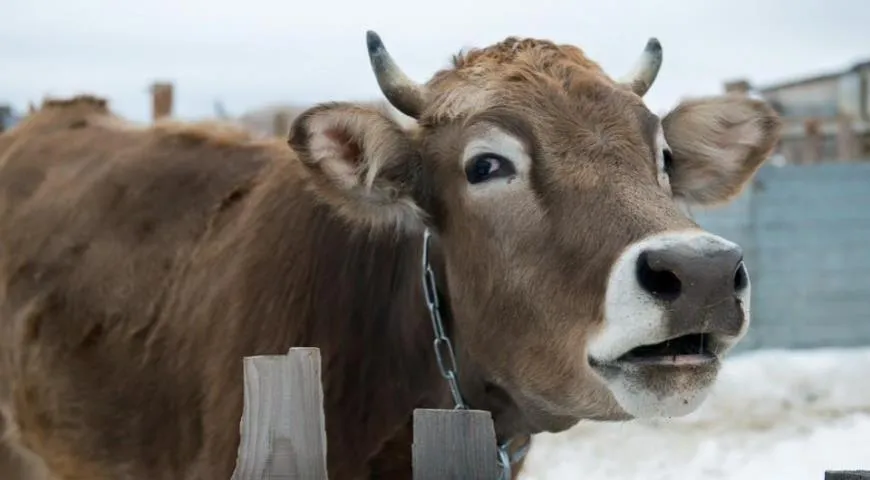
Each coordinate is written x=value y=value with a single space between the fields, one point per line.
x=139 y=265
x=149 y=217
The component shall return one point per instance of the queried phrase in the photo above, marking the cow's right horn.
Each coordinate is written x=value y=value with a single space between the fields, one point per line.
x=406 y=95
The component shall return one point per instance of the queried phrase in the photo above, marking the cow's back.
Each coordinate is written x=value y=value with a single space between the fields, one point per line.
x=97 y=222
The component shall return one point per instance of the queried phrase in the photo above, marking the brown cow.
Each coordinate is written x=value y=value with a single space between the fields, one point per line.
x=138 y=266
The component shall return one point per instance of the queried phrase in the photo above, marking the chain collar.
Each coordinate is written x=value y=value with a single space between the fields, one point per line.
x=447 y=359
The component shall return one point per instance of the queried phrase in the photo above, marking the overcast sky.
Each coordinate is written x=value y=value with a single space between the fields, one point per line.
x=252 y=53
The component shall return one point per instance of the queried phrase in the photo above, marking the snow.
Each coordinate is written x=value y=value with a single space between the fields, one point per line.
x=773 y=414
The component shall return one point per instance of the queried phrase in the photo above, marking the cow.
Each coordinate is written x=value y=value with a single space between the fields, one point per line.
x=531 y=220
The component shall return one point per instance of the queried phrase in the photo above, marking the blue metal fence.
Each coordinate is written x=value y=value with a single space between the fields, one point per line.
x=805 y=231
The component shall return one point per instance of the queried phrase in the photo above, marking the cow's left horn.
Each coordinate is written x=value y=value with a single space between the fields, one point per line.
x=403 y=93
x=646 y=68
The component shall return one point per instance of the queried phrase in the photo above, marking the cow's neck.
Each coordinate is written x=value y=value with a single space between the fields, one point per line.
x=360 y=293
x=303 y=277
x=471 y=388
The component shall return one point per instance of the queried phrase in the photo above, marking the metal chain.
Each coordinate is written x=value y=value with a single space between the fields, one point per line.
x=444 y=353
x=442 y=342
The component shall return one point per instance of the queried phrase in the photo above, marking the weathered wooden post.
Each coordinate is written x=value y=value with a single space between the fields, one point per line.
x=454 y=445
x=283 y=433
x=847 y=475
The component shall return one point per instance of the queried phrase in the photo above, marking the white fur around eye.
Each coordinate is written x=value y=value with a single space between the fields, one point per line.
x=660 y=147
x=497 y=141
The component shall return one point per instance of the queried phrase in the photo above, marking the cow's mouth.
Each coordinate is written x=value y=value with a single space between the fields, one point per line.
x=693 y=349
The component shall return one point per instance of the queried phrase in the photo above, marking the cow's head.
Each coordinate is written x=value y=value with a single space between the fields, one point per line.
x=577 y=285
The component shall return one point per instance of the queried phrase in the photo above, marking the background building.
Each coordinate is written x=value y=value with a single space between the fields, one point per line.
x=826 y=117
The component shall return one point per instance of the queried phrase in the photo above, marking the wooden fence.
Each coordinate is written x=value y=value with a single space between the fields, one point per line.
x=283 y=429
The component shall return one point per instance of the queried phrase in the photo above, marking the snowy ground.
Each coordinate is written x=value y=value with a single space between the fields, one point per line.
x=774 y=415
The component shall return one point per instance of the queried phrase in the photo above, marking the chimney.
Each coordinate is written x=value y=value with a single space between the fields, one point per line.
x=741 y=86
x=281 y=124
x=161 y=100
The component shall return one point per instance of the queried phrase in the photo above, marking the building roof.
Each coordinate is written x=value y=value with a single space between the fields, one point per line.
x=864 y=64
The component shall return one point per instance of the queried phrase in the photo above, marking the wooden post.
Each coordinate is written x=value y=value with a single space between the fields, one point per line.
x=283 y=432
x=847 y=144
x=812 y=153
x=453 y=445
x=847 y=475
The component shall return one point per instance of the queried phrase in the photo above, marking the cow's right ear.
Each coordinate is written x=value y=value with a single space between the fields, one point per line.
x=361 y=162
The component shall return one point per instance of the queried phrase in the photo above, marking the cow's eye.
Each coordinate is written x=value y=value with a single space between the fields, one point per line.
x=487 y=166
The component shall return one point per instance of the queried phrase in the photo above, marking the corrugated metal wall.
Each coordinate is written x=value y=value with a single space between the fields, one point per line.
x=805 y=231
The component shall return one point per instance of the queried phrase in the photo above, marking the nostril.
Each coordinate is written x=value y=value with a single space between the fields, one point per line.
x=741 y=278
x=663 y=284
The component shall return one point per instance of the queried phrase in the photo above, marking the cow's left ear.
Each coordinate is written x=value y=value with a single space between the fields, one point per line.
x=717 y=145
x=361 y=163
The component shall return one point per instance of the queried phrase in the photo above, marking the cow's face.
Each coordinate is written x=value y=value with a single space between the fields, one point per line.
x=578 y=287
